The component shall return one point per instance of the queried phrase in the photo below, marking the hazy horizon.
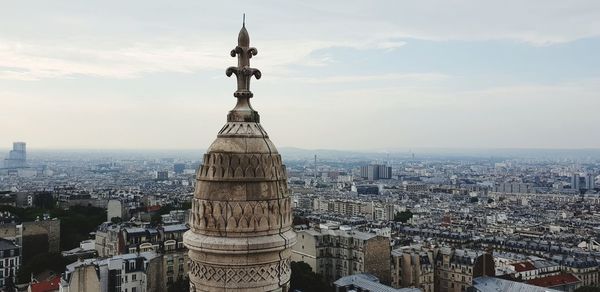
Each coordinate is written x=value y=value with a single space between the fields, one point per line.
x=364 y=77
x=399 y=149
x=294 y=153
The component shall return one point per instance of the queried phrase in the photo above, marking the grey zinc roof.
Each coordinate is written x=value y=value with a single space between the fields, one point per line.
x=491 y=284
x=342 y=233
x=6 y=245
x=71 y=267
x=355 y=234
x=135 y=230
x=175 y=227
x=370 y=283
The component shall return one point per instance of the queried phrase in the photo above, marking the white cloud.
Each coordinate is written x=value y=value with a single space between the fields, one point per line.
x=393 y=77
x=30 y=61
x=100 y=50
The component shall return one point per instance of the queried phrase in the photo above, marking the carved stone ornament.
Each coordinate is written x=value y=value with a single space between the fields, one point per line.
x=240 y=224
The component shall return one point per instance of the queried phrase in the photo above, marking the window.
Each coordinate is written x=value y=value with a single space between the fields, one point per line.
x=133 y=278
x=133 y=289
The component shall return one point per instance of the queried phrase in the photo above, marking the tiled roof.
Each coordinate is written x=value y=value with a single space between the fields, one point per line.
x=46 y=286
x=553 y=281
x=523 y=266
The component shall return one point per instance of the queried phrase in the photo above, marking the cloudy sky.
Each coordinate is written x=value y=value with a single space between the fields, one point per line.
x=336 y=74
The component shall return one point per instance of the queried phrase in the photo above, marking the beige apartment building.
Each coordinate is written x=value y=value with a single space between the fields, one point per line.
x=413 y=266
x=439 y=269
x=455 y=269
x=338 y=253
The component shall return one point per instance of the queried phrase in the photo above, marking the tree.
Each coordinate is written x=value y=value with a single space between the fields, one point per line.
x=116 y=220
x=77 y=223
x=304 y=279
x=46 y=261
x=474 y=200
x=181 y=285
x=9 y=285
x=44 y=200
x=156 y=218
x=186 y=205
x=403 y=216
x=299 y=220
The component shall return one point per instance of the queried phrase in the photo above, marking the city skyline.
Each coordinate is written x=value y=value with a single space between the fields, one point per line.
x=384 y=75
x=438 y=146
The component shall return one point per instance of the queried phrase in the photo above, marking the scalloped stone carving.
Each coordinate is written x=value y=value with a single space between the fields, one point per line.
x=242 y=167
x=240 y=216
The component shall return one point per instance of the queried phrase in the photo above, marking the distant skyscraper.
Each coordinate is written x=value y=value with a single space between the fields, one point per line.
x=590 y=183
x=162 y=175
x=316 y=171
x=575 y=181
x=385 y=172
x=17 y=158
x=376 y=171
x=178 y=168
x=240 y=235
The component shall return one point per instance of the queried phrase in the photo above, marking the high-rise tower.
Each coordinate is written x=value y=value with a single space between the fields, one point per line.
x=240 y=224
x=17 y=158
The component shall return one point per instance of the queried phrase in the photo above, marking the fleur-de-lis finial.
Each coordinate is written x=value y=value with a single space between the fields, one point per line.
x=243 y=73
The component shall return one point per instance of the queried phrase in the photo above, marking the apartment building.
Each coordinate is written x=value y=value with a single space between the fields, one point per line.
x=413 y=266
x=455 y=269
x=339 y=253
x=10 y=261
x=135 y=272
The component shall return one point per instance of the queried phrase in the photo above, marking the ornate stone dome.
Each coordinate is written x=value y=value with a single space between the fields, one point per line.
x=240 y=224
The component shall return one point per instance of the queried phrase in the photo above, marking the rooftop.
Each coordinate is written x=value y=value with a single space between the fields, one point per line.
x=7 y=245
x=175 y=227
x=491 y=284
x=369 y=283
x=554 y=281
x=46 y=286
x=523 y=266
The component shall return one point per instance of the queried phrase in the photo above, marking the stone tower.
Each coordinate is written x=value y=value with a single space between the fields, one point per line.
x=240 y=224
